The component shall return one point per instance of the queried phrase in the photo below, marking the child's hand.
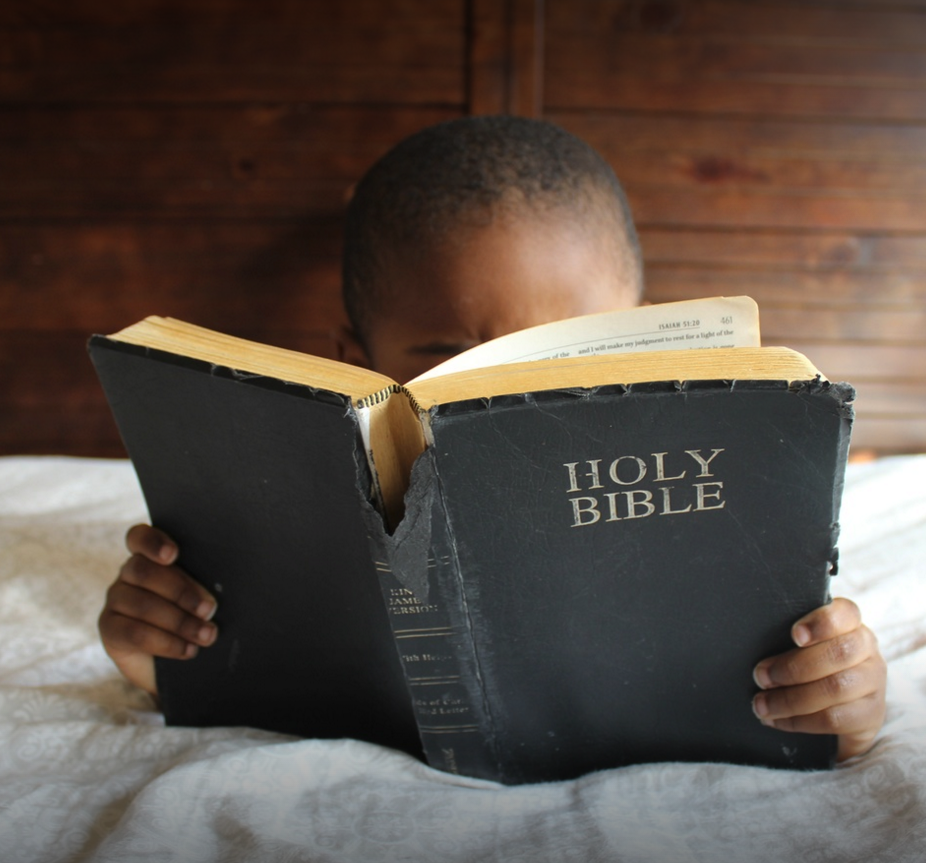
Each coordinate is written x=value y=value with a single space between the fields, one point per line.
x=832 y=683
x=154 y=609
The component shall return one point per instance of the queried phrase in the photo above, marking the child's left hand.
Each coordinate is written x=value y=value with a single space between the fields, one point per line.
x=833 y=682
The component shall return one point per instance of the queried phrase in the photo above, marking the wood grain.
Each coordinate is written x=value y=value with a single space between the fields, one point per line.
x=194 y=158
x=877 y=253
x=194 y=52
x=269 y=161
x=506 y=57
x=759 y=58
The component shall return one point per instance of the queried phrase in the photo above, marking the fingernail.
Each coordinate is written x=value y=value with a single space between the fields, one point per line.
x=206 y=609
x=760 y=708
x=190 y=651
x=801 y=635
x=761 y=676
x=206 y=634
x=167 y=553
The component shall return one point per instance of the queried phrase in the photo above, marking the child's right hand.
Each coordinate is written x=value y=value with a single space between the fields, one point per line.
x=154 y=608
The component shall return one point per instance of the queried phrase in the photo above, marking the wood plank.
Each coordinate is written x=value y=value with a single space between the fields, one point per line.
x=96 y=13
x=721 y=174
x=231 y=161
x=731 y=208
x=319 y=129
x=104 y=279
x=327 y=147
x=757 y=58
x=610 y=63
x=775 y=149
x=231 y=185
x=26 y=164
x=722 y=166
x=489 y=58
x=898 y=400
x=800 y=306
x=818 y=320
x=93 y=249
x=189 y=199
x=188 y=47
x=45 y=430
x=769 y=21
x=784 y=250
x=866 y=363
x=505 y=57
x=402 y=58
x=307 y=295
x=711 y=58
x=839 y=289
x=614 y=133
x=389 y=83
x=527 y=47
x=51 y=401
x=887 y=436
x=577 y=87
x=313 y=307
x=873 y=4
x=243 y=144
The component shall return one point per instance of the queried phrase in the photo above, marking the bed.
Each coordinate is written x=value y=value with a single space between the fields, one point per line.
x=88 y=771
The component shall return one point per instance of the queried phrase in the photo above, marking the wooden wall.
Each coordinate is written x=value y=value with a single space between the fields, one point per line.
x=775 y=148
x=192 y=158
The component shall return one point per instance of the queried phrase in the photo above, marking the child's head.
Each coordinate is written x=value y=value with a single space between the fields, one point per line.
x=477 y=227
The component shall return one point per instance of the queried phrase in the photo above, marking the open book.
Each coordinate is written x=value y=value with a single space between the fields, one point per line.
x=586 y=351
x=585 y=549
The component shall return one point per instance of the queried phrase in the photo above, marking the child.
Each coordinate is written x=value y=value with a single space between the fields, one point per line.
x=472 y=229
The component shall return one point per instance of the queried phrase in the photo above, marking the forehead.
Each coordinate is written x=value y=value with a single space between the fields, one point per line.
x=486 y=281
x=512 y=273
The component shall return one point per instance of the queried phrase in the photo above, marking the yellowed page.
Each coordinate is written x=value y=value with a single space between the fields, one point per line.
x=772 y=363
x=717 y=322
x=190 y=340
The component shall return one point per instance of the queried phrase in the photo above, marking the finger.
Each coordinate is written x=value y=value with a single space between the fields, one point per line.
x=806 y=664
x=151 y=543
x=170 y=583
x=138 y=668
x=840 y=616
x=858 y=683
x=125 y=637
x=858 y=721
x=862 y=714
x=135 y=619
x=851 y=745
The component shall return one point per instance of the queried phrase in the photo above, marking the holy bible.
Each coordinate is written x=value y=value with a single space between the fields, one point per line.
x=523 y=572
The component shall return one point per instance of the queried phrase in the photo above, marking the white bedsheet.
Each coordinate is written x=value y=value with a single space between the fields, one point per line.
x=89 y=772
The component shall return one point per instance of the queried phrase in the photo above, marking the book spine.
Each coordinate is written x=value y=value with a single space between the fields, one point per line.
x=417 y=573
x=429 y=646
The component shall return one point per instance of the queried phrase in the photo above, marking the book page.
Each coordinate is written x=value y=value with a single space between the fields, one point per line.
x=717 y=322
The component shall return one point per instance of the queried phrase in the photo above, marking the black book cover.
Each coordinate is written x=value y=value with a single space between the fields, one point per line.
x=627 y=555
x=427 y=610
x=261 y=484
x=583 y=579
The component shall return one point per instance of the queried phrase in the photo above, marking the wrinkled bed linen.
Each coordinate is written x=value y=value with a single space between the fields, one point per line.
x=88 y=772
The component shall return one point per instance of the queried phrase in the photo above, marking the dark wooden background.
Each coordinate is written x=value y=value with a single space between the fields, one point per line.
x=192 y=158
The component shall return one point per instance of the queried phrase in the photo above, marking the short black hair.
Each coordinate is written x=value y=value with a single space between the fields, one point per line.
x=462 y=172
